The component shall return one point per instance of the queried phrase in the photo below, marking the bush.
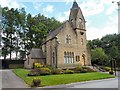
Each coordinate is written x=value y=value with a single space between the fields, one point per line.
x=84 y=71
x=118 y=69
x=69 y=71
x=34 y=72
x=37 y=65
x=36 y=82
x=88 y=69
x=111 y=72
x=45 y=71
x=62 y=71
x=56 y=71
x=106 y=68
x=78 y=69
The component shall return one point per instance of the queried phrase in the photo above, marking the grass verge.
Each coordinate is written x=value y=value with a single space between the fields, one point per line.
x=61 y=79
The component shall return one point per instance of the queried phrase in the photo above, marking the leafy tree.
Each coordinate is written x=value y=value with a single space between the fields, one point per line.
x=114 y=54
x=110 y=43
x=21 y=31
x=8 y=24
x=98 y=56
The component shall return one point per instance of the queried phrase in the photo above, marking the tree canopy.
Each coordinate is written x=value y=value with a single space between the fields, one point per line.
x=22 y=32
x=110 y=45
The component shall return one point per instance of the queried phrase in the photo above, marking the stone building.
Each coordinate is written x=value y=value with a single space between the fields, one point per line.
x=67 y=45
x=36 y=56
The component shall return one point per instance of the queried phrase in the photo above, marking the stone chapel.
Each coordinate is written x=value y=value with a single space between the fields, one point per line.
x=67 y=45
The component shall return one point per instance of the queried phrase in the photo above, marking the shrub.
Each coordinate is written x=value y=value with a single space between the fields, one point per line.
x=89 y=69
x=78 y=69
x=69 y=71
x=45 y=71
x=62 y=71
x=36 y=82
x=37 y=65
x=106 y=68
x=84 y=71
x=34 y=72
x=56 y=71
x=118 y=69
x=111 y=72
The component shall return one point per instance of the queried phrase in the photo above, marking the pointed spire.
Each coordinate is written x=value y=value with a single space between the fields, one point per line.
x=75 y=5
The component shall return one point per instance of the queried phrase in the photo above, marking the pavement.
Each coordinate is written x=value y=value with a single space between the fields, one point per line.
x=10 y=80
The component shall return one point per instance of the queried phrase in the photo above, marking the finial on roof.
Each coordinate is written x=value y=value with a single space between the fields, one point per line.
x=75 y=5
x=74 y=0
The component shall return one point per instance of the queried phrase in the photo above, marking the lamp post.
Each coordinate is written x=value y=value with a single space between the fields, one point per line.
x=118 y=3
x=114 y=65
x=118 y=17
x=111 y=64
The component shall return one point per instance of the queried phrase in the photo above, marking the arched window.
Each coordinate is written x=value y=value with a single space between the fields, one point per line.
x=77 y=58
x=53 y=58
x=65 y=59
x=72 y=57
x=68 y=39
x=68 y=57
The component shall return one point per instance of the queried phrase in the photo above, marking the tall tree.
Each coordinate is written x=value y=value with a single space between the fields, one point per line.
x=21 y=31
x=114 y=54
x=98 y=56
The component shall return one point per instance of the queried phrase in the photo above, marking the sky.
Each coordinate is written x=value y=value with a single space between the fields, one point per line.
x=101 y=15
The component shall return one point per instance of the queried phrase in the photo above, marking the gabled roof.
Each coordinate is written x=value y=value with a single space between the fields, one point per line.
x=54 y=33
x=36 y=53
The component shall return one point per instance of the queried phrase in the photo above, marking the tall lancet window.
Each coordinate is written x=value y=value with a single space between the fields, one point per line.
x=68 y=39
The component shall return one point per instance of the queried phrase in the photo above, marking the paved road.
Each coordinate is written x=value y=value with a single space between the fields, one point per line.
x=10 y=80
x=110 y=83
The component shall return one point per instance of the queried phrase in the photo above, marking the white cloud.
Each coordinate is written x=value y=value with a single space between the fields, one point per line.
x=11 y=4
x=110 y=28
x=91 y=7
x=63 y=16
x=67 y=1
x=48 y=9
x=112 y=8
x=37 y=5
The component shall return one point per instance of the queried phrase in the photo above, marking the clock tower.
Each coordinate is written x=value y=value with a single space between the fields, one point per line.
x=77 y=22
x=76 y=17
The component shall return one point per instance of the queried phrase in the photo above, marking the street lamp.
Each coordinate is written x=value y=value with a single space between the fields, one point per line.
x=114 y=65
x=118 y=3
x=118 y=17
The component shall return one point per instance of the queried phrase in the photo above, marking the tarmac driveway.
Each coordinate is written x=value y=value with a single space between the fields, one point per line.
x=10 y=80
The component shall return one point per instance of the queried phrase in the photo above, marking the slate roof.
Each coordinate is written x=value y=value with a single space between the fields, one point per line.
x=75 y=8
x=54 y=33
x=36 y=53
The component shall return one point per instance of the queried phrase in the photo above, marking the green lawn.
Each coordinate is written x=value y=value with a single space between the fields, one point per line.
x=61 y=79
